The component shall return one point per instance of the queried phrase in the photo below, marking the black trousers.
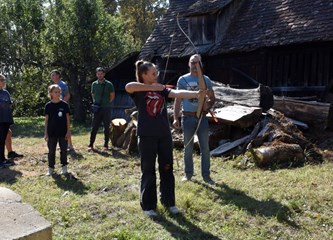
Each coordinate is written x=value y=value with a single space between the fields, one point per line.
x=104 y=115
x=4 y=127
x=52 y=145
x=150 y=148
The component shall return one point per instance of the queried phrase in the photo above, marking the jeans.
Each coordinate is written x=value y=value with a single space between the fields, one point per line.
x=150 y=148
x=104 y=115
x=189 y=125
x=4 y=127
x=52 y=145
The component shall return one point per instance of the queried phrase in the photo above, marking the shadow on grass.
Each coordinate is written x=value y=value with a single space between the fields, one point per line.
x=187 y=230
x=9 y=176
x=116 y=153
x=267 y=208
x=70 y=183
x=75 y=155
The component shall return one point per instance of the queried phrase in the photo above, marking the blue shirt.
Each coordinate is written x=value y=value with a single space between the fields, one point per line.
x=64 y=88
x=189 y=82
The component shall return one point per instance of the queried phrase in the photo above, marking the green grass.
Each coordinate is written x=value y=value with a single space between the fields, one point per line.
x=103 y=202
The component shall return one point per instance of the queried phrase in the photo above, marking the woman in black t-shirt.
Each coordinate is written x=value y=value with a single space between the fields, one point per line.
x=154 y=136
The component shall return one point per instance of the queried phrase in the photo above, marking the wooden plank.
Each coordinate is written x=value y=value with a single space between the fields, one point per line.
x=239 y=116
x=307 y=68
x=228 y=146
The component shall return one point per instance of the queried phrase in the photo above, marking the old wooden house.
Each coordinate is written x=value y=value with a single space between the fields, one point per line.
x=286 y=45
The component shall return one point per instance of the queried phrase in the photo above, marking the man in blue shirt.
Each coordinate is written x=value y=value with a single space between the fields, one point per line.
x=190 y=81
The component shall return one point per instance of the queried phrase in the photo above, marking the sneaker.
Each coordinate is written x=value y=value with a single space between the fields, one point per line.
x=70 y=148
x=8 y=163
x=186 y=178
x=14 y=154
x=173 y=210
x=50 y=172
x=209 y=180
x=64 y=170
x=150 y=213
x=105 y=148
x=90 y=148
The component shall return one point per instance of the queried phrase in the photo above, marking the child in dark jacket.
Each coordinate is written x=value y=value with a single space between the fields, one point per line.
x=57 y=128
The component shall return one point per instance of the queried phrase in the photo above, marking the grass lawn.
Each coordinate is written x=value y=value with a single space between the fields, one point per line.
x=102 y=201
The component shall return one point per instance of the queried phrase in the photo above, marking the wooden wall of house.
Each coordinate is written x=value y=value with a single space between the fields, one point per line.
x=297 y=71
x=120 y=75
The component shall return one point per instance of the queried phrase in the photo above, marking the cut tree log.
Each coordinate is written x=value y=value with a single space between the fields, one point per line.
x=316 y=114
x=118 y=126
x=278 y=154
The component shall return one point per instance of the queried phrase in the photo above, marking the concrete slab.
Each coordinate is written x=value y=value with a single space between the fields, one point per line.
x=20 y=220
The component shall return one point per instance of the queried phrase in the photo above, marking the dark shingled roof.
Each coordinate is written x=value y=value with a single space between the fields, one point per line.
x=256 y=24
x=206 y=6
x=159 y=42
x=272 y=23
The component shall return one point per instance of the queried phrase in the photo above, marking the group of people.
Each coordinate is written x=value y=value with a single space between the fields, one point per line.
x=57 y=117
x=153 y=130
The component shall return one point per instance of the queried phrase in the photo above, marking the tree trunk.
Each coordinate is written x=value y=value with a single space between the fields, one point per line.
x=76 y=94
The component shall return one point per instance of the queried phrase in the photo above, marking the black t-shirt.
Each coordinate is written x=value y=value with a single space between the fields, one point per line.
x=152 y=113
x=57 y=123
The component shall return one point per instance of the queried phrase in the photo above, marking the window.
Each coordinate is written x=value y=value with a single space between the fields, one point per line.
x=202 y=29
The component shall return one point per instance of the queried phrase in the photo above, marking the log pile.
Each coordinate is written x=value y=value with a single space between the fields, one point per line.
x=246 y=124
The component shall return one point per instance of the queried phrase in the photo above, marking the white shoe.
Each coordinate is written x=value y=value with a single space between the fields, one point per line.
x=173 y=210
x=186 y=178
x=50 y=172
x=64 y=170
x=150 y=213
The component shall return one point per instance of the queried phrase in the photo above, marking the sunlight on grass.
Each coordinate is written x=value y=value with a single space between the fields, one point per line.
x=101 y=200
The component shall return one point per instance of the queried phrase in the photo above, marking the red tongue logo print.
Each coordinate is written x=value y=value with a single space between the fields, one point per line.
x=154 y=102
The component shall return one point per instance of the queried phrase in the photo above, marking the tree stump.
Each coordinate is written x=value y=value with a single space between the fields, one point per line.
x=118 y=126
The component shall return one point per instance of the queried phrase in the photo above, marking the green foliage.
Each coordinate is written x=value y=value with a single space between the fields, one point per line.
x=21 y=23
x=74 y=36
x=141 y=16
x=29 y=93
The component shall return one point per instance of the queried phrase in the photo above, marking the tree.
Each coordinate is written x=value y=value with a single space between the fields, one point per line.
x=80 y=36
x=74 y=36
x=21 y=24
x=138 y=16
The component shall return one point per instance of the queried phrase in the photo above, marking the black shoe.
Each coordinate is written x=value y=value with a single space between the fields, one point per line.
x=8 y=163
x=13 y=154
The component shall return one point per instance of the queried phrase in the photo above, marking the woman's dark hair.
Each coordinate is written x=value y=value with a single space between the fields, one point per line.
x=142 y=67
